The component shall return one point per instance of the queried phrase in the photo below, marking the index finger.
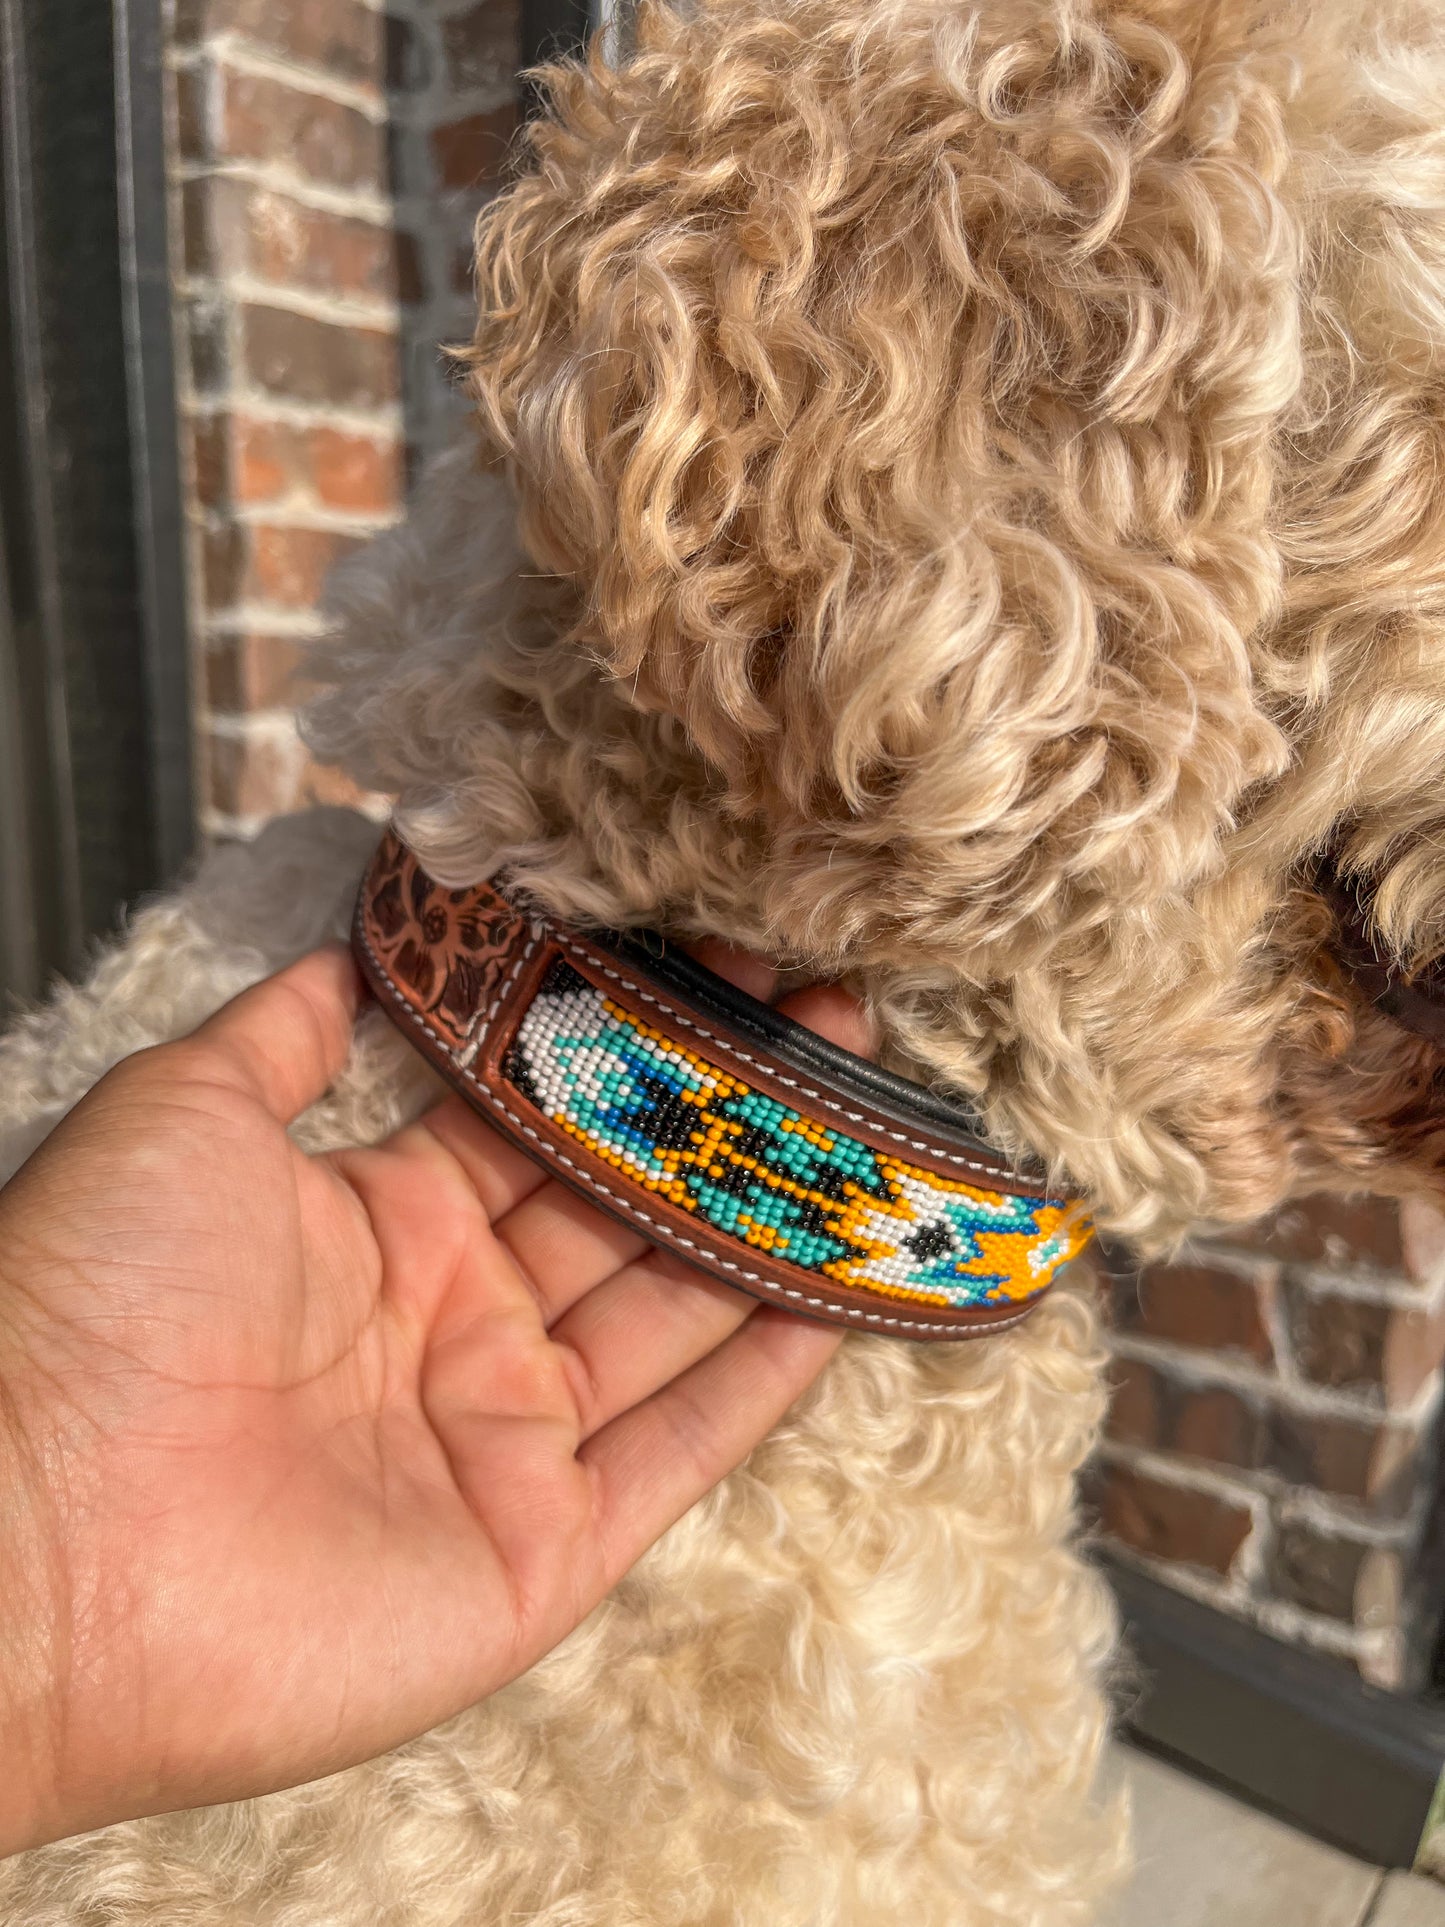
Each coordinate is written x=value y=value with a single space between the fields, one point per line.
x=654 y=1463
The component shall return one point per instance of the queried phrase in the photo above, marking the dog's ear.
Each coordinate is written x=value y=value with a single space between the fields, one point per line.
x=896 y=385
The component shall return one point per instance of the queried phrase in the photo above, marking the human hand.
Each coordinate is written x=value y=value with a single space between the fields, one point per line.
x=300 y=1455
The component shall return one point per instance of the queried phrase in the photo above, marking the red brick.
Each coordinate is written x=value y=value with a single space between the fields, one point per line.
x=1136 y=1415
x=259 y=776
x=1381 y=1589
x=266 y=120
x=1315 y=1569
x=209 y=345
x=195 y=228
x=1414 y=1351
x=318 y=251
x=1333 y=1455
x=271 y=462
x=319 y=784
x=195 y=134
x=1204 y=1305
x=1215 y=1424
x=1171 y=1522
x=211 y=461
x=317 y=361
x=252 y=776
x=288 y=567
x=341 y=36
x=473 y=152
x=483 y=45
x=1389 y=1351
x=264 y=463
x=355 y=473
x=249 y=672
x=231 y=227
x=268 y=563
x=1210 y=1423
x=223 y=563
x=1345 y=1231
x=1369 y=1462
x=1337 y=1341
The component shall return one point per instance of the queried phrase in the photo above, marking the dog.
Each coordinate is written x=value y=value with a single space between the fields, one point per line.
x=953 y=509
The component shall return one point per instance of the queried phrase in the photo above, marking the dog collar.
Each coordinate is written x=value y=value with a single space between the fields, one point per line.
x=1415 y=1000
x=714 y=1125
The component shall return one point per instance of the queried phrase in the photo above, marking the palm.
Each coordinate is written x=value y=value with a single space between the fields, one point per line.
x=356 y=1438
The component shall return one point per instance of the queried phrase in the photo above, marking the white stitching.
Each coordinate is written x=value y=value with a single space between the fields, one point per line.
x=625 y=1203
x=630 y=982
x=482 y=1022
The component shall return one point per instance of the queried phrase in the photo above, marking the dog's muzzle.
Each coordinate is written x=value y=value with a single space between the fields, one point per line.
x=709 y=1122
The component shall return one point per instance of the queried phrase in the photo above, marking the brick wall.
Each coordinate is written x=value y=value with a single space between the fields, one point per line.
x=329 y=160
x=1271 y=1444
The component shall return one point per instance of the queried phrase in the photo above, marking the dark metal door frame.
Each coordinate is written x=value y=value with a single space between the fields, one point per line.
x=95 y=742
x=141 y=188
x=550 y=28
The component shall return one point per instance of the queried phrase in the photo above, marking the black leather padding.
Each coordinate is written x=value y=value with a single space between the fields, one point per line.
x=1417 y=1004
x=898 y=1098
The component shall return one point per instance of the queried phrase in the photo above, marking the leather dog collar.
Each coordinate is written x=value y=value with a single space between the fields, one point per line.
x=714 y=1125
x=1415 y=1001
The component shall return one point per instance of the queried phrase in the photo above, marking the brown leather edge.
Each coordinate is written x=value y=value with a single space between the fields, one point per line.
x=769 y=1279
x=650 y=1000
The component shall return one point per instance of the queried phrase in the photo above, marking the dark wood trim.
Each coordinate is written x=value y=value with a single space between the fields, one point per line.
x=39 y=828
x=95 y=802
x=159 y=510
x=550 y=29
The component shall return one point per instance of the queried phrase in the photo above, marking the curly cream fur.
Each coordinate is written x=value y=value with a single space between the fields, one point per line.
x=956 y=507
x=991 y=453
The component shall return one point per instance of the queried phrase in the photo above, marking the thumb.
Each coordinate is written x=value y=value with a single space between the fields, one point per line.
x=284 y=1040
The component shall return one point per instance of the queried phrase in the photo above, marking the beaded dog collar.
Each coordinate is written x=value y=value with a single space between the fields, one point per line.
x=761 y=1153
x=1415 y=1001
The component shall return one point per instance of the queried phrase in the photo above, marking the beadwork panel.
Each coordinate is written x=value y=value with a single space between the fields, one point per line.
x=770 y=1176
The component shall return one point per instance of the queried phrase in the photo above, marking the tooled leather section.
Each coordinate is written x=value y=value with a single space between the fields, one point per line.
x=445 y=950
